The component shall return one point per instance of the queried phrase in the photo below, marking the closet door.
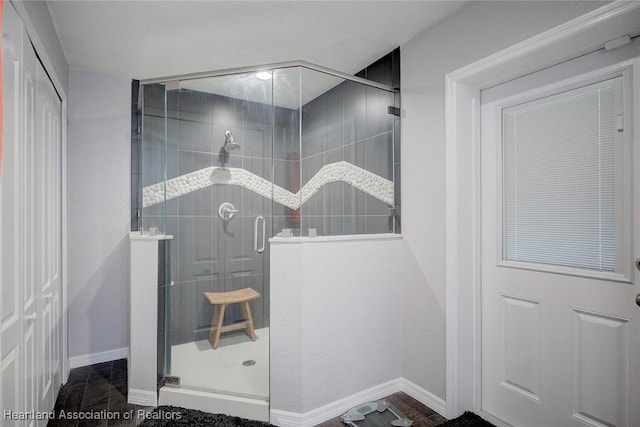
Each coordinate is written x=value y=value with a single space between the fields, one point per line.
x=54 y=217
x=30 y=231
x=30 y=250
x=13 y=326
x=46 y=158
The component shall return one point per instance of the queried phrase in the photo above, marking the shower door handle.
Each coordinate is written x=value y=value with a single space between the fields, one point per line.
x=259 y=247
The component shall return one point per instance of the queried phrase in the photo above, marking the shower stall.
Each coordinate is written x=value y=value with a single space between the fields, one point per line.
x=229 y=160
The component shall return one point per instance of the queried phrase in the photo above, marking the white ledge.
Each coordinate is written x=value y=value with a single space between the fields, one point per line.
x=339 y=238
x=135 y=235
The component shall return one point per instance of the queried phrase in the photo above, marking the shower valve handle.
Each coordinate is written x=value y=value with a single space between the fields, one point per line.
x=227 y=211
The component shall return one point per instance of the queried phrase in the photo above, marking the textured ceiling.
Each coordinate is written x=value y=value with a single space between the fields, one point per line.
x=147 y=39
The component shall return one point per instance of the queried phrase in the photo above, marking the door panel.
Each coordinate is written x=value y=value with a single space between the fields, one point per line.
x=522 y=346
x=55 y=240
x=11 y=271
x=54 y=249
x=30 y=228
x=45 y=358
x=598 y=376
x=48 y=284
x=30 y=366
x=31 y=209
x=11 y=391
x=29 y=180
x=560 y=346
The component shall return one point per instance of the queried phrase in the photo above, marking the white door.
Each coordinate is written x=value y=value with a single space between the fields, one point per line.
x=560 y=220
x=47 y=231
x=30 y=227
x=29 y=213
x=11 y=319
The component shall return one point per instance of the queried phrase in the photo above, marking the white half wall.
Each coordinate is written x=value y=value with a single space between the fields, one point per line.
x=478 y=30
x=336 y=313
x=99 y=171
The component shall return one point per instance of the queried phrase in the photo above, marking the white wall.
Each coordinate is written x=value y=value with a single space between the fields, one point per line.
x=476 y=31
x=99 y=166
x=335 y=319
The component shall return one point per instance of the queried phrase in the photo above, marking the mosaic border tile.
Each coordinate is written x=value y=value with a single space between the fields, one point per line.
x=368 y=182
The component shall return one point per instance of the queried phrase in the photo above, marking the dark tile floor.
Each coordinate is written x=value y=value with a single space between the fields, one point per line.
x=421 y=415
x=98 y=395
x=100 y=392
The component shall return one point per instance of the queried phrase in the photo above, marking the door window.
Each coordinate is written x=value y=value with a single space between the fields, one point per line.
x=563 y=179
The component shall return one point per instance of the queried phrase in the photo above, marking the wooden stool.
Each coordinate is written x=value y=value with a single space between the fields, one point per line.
x=220 y=301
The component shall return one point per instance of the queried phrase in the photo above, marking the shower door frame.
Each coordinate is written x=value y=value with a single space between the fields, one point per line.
x=270 y=67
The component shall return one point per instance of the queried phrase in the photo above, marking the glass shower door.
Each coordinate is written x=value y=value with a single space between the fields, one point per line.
x=219 y=149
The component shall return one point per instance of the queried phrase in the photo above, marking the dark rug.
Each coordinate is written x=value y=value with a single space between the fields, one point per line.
x=468 y=419
x=173 y=416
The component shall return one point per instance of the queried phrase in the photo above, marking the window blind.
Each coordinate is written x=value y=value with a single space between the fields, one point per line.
x=559 y=179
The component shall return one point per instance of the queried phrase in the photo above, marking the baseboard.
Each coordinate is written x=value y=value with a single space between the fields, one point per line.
x=425 y=397
x=93 y=358
x=339 y=407
x=333 y=409
x=493 y=420
x=286 y=419
x=253 y=409
x=142 y=397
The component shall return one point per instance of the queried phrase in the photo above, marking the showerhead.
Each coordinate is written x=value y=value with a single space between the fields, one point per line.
x=230 y=144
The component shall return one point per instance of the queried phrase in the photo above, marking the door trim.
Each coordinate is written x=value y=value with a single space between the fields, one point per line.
x=462 y=189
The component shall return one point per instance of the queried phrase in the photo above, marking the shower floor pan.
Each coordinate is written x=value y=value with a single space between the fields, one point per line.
x=375 y=414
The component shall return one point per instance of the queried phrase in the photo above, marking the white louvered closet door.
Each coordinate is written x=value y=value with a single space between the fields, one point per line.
x=560 y=324
x=31 y=197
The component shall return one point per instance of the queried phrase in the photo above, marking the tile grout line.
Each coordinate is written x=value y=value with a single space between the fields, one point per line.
x=109 y=393
x=84 y=390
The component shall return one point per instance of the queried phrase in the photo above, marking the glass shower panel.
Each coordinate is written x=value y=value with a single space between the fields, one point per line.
x=219 y=174
x=346 y=156
x=153 y=158
x=286 y=151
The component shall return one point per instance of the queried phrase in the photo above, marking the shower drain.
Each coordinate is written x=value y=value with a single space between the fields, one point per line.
x=248 y=363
